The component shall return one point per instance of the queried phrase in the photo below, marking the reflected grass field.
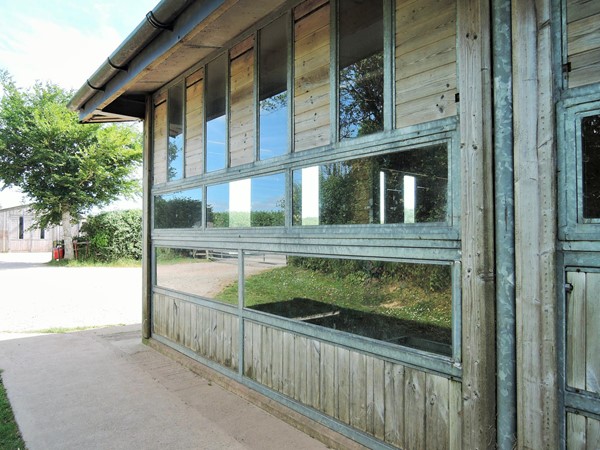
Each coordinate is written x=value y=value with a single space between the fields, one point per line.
x=403 y=300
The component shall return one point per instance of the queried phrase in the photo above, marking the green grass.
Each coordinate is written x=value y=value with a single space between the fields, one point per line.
x=10 y=436
x=93 y=263
x=405 y=300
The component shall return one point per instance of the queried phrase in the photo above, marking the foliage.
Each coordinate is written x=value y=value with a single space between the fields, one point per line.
x=114 y=235
x=361 y=97
x=10 y=437
x=180 y=212
x=65 y=168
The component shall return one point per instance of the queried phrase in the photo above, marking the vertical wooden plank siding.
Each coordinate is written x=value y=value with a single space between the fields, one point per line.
x=425 y=61
x=402 y=406
x=358 y=391
x=437 y=411
x=378 y=389
x=194 y=125
x=583 y=433
x=576 y=320
x=535 y=225
x=159 y=146
x=414 y=422
x=477 y=230
x=583 y=42
x=576 y=431
x=455 y=424
x=593 y=434
x=209 y=333
x=327 y=369
x=394 y=404
x=311 y=79
x=241 y=125
x=592 y=333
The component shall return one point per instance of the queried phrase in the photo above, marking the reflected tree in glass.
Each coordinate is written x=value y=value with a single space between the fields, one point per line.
x=360 y=68
x=410 y=186
x=178 y=210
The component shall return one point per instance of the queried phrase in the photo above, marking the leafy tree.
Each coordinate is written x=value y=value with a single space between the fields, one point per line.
x=65 y=168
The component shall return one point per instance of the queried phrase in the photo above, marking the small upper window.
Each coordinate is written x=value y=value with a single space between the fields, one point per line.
x=360 y=67
x=590 y=148
x=216 y=116
x=21 y=227
x=175 y=149
x=273 y=94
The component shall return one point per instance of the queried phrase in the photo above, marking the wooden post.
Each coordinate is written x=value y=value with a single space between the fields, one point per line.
x=146 y=226
x=535 y=225
x=477 y=226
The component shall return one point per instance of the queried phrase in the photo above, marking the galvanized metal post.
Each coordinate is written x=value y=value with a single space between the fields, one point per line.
x=504 y=229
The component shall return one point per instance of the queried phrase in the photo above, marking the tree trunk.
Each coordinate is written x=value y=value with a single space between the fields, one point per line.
x=67 y=234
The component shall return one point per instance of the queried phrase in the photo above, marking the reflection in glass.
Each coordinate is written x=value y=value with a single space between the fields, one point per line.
x=360 y=67
x=252 y=202
x=401 y=303
x=181 y=209
x=217 y=206
x=202 y=272
x=175 y=148
x=590 y=137
x=410 y=186
x=273 y=98
x=216 y=119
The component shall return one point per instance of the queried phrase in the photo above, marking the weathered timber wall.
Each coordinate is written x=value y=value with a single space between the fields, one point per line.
x=311 y=84
x=583 y=333
x=477 y=226
x=194 y=124
x=425 y=61
x=159 y=146
x=535 y=226
x=583 y=41
x=583 y=433
x=210 y=333
x=402 y=406
x=242 y=120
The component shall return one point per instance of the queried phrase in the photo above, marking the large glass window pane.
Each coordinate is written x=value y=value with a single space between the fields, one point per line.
x=181 y=209
x=216 y=118
x=410 y=186
x=202 y=272
x=360 y=67
x=251 y=202
x=268 y=201
x=590 y=137
x=401 y=303
x=175 y=149
x=273 y=97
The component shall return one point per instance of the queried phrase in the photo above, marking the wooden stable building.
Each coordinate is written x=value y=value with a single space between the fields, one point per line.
x=378 y=219
x=16 y=234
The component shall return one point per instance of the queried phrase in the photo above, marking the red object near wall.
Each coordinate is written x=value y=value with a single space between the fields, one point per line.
x=58 y=253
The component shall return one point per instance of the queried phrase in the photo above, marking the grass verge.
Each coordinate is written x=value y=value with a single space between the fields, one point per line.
x=10 y=436
x=94 y=263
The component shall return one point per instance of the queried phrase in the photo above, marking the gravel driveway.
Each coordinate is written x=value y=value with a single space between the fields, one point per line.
x=35 y=296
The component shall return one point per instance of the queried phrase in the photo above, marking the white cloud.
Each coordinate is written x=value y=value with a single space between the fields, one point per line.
x=46 y=51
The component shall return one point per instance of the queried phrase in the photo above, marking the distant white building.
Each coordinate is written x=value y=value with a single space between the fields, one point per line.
x=16 y=234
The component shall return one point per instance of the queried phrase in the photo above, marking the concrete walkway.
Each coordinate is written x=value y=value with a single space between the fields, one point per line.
x=104 y=389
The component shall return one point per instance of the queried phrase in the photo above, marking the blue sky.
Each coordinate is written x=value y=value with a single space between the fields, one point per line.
x=63 y=41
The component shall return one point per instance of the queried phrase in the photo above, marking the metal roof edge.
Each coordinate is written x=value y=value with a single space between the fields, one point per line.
x=156 y=21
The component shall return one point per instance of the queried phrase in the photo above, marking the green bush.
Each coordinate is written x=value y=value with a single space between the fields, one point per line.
x=114 y=235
